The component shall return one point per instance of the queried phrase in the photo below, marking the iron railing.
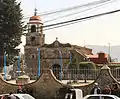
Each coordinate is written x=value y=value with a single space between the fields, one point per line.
x=79 y=74
x=83 y=74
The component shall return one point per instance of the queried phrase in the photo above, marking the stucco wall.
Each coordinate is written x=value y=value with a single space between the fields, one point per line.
x=48 y=87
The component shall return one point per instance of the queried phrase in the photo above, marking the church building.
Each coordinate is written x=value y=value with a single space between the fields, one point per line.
x=57 y=54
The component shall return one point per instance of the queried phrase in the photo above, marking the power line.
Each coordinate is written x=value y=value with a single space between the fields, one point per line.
x=71 y=8
x=79 y=11
x=75 y=7
x=57 y=25
x=75 y=20
x=66 y=24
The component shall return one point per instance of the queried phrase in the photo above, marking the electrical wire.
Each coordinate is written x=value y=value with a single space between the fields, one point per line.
x=57 y=25
x=70 y=8
x=56 y=18
x=75 y=7
x=66 y=24
x=88 y=17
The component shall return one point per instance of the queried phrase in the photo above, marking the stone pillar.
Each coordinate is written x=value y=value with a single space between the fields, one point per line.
x=104 y=78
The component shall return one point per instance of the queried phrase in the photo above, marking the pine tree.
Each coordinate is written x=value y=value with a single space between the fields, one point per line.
x=10 y=28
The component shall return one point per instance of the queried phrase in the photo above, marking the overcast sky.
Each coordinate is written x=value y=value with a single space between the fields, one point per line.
x=98 y=31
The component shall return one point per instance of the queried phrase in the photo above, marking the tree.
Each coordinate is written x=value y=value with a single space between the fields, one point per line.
x=10 y=29
x=87 y=69
x=87 y=65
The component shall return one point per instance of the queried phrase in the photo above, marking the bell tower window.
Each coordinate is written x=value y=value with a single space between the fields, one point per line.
x=32 y=38
x=33 y=28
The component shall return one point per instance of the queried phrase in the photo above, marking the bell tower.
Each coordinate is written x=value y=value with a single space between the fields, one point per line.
x=35 y=34
x=34 y=39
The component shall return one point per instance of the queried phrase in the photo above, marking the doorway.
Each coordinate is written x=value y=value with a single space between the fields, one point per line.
x=56 y=70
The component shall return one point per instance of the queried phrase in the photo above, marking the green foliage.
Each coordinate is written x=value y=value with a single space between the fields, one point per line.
x=83 y=65
x=10 y=27
x=87 y=65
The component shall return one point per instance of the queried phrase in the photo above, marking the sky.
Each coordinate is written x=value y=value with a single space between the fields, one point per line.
x=102 y=30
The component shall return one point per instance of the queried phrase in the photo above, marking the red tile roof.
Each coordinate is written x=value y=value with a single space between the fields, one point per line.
x=96 y=56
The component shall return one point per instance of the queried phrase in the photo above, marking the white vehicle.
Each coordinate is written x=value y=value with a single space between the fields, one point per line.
x=23 y=96
x=74 y=94
x=101 y=96
x=16 y=96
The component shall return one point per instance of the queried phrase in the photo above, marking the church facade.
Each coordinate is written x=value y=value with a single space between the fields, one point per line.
x=57 y=55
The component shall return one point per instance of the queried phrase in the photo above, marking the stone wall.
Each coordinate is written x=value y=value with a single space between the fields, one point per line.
x=7 y=87
x=48 y=87
x=105 y=78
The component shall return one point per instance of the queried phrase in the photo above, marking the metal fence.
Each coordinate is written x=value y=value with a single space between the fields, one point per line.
x=82 y=74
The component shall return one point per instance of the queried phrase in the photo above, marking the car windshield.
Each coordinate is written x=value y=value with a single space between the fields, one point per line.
x=27 y=97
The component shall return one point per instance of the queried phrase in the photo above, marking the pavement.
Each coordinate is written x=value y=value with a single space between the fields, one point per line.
x=78 y=83
x=14 y=81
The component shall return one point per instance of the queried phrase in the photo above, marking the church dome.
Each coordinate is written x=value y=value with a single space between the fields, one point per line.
x=35 y=20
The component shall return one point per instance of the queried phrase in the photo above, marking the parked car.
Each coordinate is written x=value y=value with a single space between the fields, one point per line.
x=17 y=96
x=23 y=96
x=74 y=94
x=101 y=96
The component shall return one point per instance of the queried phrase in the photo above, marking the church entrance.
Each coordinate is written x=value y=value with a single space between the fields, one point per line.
x=56 y=70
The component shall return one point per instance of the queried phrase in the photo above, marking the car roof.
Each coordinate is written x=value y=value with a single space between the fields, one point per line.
x=21 y=95
x=101 y=95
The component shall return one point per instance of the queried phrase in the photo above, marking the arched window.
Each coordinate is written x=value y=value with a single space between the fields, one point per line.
x=33 y=28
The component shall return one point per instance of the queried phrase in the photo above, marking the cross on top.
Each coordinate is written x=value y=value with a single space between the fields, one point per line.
x=56 y=38
x=35 y=13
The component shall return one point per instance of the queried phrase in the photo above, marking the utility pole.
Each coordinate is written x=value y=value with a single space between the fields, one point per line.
x=109 y=56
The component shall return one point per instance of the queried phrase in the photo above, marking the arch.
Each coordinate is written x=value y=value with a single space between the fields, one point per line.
x=56 y=70
x=33 y=28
